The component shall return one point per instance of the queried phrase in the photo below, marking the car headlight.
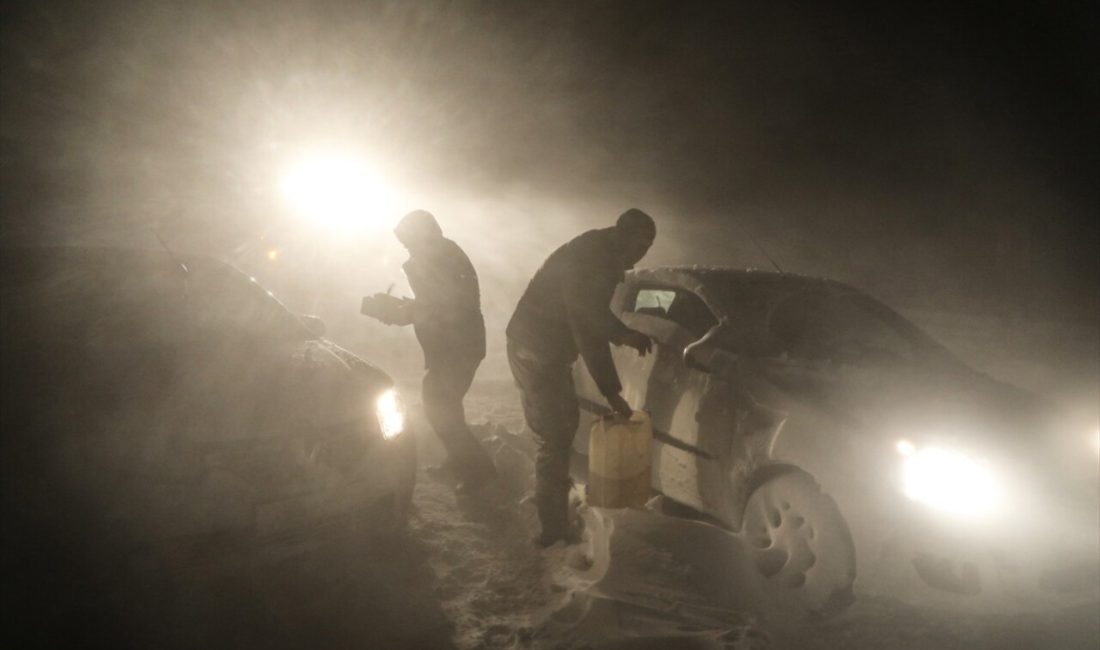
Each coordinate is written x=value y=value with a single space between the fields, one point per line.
x=949 y=480
x=390 y=409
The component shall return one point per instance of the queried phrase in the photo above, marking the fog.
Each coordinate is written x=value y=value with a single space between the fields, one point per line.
x=935 y=159
x=941 y=159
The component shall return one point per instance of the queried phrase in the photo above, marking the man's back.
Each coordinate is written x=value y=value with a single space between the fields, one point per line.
x=565 y=311
x=577 y=279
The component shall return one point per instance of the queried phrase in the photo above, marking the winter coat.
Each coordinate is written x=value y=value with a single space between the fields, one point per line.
x=447 y=314
x=566 y=307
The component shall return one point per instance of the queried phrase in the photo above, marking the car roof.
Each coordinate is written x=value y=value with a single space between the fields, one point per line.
x=723 y=287
x=724 y=275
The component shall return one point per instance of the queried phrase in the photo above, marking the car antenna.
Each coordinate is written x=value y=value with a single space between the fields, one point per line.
x=746 y=233
x=171 y=253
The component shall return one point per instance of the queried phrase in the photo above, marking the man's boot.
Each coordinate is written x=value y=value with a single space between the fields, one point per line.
x=552 y=502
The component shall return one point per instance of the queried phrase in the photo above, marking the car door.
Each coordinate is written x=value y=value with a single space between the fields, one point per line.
x=691 y=409
x=659 y=382
x=634 y=370
x=672 y=393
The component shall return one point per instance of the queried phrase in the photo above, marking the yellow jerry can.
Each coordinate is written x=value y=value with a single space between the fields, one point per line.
x=619 y=462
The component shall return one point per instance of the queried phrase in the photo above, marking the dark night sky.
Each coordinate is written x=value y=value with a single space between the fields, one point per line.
x=930 y=146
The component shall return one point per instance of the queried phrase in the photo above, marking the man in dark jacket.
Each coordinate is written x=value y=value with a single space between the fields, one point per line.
x=565 y=311
x=446 y=315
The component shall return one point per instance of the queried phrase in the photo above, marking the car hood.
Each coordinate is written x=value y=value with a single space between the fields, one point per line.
x=939 y=401
x=945 y=403
x=332 y=385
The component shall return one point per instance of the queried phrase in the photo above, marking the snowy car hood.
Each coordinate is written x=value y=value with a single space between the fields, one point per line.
x=333 y=386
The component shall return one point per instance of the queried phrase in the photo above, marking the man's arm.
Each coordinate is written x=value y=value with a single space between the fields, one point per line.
x=388 y=309
x=587 y=297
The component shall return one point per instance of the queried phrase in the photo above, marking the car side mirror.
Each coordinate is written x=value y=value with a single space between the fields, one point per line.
x=706 y=355
x=708 y=358
x=314 y=324
x=692 y=360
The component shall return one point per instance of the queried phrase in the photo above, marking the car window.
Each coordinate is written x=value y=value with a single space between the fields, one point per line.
x=682 y=307
x=818 y=325
x=654 y=301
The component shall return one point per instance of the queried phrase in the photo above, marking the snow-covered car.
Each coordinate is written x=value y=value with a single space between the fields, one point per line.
x=164 y=415
x=823 y=427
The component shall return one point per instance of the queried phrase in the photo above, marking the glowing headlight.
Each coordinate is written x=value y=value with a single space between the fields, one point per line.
x=949 y=480
x=391 y=414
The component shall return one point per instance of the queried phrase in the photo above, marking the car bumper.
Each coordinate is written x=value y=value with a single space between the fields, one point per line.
x=1022 y=555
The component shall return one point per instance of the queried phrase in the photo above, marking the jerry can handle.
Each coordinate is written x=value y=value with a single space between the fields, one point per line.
x=613 y=416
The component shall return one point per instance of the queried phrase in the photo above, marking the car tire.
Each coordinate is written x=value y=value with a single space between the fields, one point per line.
x=799 y=540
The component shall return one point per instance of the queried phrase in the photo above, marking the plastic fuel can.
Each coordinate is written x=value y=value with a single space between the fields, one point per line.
x=619 y=462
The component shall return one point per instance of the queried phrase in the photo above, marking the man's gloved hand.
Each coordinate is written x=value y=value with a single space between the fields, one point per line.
x=619 y=406
x=388 y=309
x=640 y=342
x=403 y=313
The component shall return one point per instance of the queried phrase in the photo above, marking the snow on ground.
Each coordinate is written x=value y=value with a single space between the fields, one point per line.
x=499 y=591
x=490 y=581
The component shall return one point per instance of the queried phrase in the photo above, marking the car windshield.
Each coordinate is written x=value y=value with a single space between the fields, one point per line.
x=97 y=298
x=221 y=298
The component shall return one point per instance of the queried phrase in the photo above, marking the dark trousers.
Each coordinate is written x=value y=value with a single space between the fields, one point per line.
x=551 y=409
x=445 y=385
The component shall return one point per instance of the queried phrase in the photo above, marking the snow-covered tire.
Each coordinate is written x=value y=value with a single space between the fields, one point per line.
x=799 y=541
